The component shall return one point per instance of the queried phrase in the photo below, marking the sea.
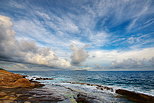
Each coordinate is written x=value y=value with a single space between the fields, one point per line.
x=137 y=81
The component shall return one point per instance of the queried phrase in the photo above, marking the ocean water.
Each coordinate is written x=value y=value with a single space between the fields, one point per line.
x=138 y=81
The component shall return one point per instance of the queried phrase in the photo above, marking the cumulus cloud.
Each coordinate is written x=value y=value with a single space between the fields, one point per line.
x=24 y=50
x=79 y=54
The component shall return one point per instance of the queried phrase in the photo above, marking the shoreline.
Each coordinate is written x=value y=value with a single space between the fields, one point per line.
x=40 y=93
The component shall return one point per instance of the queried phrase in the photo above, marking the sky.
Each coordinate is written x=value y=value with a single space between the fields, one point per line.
x=96 y=35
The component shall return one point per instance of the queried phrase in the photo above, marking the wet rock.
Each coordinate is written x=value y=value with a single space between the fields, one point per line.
x=85 y=98
x=82 y=99
x=40 y=95
x=104 y=88
x=72 y=100
x=97 y=86
x=137 y=97
x=44 y=78
x=37 y=84
x=24 y=76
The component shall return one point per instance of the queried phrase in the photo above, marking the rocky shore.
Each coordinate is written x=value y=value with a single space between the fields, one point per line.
x=133 y=96
x=13 y=85
x=15 y=88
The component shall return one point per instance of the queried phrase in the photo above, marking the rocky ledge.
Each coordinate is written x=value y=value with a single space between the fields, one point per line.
x=10 y=83
x=137 y=97
x=130 y=95
x=12 y=80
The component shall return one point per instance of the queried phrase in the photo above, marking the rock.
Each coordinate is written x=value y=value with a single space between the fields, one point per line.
x=12 y=80
x=2 y=94
x=85 y=98
x=24 y=76
x=97 y=86
x=44 y=78
x=137 y=97
x=22 y=82
x=104 y=88
x=6 y=77
x=37 y=84
x=27 y=102
x=72 y=100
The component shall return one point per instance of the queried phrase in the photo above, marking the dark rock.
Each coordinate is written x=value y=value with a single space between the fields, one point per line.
x=137 y=97
x=44 y=78
x=104 y=88
x=97 y=86
x=24 y=76
x=37 y=84
x=82 y=99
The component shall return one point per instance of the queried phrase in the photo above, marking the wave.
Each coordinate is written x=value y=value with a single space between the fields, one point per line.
x=98 y=89
x=94 y=88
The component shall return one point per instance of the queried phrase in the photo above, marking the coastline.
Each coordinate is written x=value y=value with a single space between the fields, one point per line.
x=12 y=86
x=30 y=94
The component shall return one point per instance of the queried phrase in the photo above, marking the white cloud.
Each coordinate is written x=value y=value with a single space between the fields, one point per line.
x=99 y=39
x=42 y=14
x=109 y=59
x=17 y=5
x=26 y=51
x=138 y=15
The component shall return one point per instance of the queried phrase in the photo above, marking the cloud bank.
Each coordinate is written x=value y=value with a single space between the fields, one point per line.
x=131 y=60
x=24 y=50
x=132 y=63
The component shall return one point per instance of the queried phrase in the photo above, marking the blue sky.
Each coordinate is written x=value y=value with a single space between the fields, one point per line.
x=96 y=34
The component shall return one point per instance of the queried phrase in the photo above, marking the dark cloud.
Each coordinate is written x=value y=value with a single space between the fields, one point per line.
x=79 y=55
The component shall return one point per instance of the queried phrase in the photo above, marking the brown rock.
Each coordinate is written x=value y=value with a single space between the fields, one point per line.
x=2 y=94
x=12 y=80
x=7 y=77
x=23 y=82
x=137 y=97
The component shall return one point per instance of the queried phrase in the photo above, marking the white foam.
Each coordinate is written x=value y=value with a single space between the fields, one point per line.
x=33 y=77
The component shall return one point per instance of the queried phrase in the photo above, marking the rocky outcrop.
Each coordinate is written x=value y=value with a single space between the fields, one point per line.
x=137 y=97
x=12 y=80
x=130 y=95
x=14 y=86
